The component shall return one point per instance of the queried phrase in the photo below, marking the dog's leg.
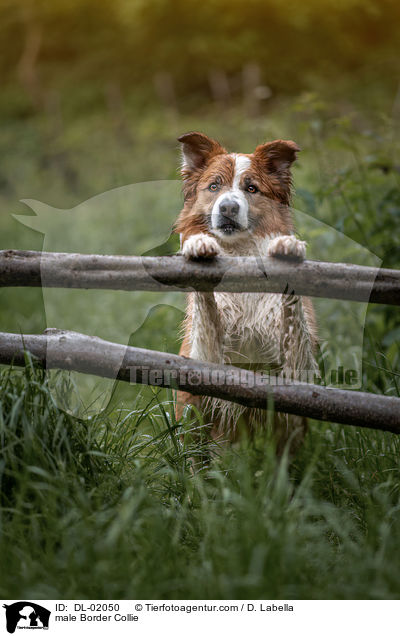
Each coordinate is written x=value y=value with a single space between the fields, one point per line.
x=204 y=332
x=297 y=341
x=298 y=337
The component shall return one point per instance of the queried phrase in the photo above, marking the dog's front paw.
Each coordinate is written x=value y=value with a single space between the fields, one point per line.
x=287 y=246
x=200 y=246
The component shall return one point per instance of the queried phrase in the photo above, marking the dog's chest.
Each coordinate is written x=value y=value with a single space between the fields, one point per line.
x=251 y=325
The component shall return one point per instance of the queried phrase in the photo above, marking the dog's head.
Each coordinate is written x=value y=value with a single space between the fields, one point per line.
x=233 y=195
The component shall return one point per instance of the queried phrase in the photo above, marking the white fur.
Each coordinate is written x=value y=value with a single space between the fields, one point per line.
x=287 y=245
x=242 y=164
x=200 y=246
x=234 y=194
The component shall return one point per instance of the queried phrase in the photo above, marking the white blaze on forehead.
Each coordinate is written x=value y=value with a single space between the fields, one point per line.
x=242 y=164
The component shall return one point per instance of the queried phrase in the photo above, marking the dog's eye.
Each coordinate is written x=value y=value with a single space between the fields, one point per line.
x=213 y=187
x=252 y=188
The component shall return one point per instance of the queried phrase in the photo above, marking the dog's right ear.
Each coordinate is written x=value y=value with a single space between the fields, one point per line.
x=197 y=150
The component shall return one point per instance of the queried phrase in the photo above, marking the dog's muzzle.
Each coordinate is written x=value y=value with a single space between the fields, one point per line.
x=228 y=216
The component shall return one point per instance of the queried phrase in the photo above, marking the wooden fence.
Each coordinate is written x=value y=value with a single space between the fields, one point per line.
x=158 y=273
x=88 y=354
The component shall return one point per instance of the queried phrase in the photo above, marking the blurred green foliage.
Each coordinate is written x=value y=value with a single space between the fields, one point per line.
x=129 y=41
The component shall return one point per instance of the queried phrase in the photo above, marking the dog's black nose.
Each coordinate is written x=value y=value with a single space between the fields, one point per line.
x=229 y=208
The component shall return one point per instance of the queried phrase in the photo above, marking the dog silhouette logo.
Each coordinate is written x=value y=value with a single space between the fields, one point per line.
x=26 y=615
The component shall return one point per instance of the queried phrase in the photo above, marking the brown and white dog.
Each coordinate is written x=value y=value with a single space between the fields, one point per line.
x=238 y=204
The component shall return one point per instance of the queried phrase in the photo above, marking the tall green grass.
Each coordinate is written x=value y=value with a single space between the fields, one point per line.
x=108 y=507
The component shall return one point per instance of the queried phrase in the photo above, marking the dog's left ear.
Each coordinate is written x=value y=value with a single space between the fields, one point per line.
x=276 y=158
x=278 y=155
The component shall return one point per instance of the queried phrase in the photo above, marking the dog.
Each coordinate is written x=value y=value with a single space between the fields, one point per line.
x=239 y=205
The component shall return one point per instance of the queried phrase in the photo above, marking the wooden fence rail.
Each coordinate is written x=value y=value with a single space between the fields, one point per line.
x=250 y=274
x=88 y=354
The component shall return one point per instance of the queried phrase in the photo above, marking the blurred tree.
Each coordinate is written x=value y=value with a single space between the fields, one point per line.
x=77 y=41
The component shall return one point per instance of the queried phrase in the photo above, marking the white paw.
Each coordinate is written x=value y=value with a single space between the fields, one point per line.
x=287 y=246
x=200 y=246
